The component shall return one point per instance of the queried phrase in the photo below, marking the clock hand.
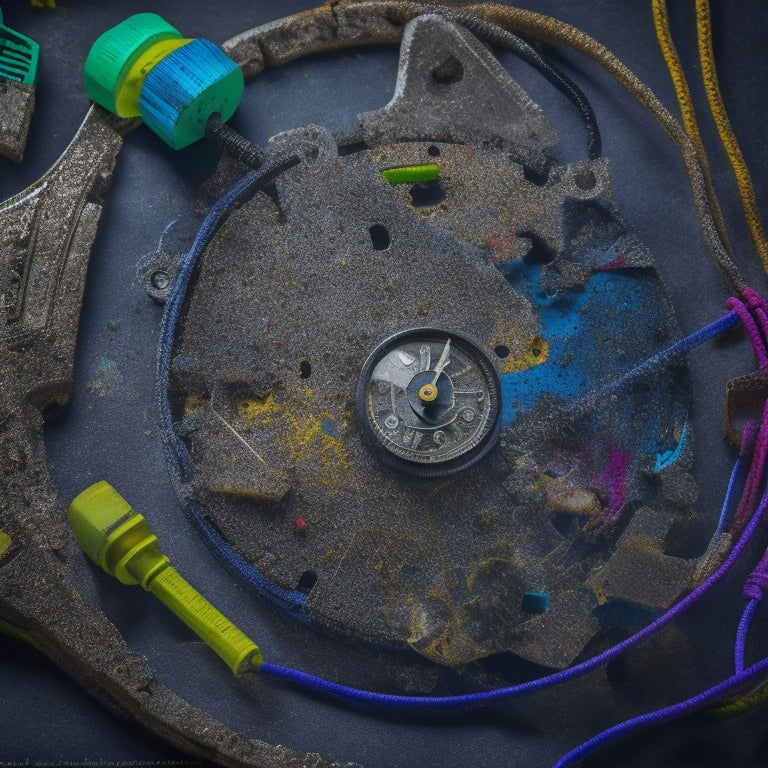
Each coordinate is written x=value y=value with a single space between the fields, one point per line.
x=425 y=357
x=442 y=362
x=428 y=393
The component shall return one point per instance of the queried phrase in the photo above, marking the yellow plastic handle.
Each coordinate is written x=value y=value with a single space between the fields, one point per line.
x=118 y=539
x=215 y=629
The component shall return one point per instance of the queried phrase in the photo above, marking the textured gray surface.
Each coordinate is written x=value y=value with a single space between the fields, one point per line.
x=110 y=429
x=17 y=103
x=440 y=567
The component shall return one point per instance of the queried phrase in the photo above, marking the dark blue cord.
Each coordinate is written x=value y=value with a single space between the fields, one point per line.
x=664 y=715
x=462 y=701
x=739 y=648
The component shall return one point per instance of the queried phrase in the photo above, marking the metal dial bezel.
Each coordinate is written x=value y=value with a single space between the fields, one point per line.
x=387 y=451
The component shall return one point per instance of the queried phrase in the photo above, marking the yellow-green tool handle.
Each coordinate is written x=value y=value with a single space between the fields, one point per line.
x=215 y=629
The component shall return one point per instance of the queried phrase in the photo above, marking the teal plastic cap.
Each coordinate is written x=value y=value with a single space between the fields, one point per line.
x=19 y=56
x=114 y=53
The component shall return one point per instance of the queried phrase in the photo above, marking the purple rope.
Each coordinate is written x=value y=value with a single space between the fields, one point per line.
x=663 y=715
x=739 y=648
x=760 y=307
x=758 y=345
x=327 y=687
x=757 y=583
x=745 y=451
x=755 y=476
x=754 y=590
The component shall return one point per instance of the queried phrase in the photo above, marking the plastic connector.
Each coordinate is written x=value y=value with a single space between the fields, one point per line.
x=19 y=56
x=119 y=540
x=144 y=68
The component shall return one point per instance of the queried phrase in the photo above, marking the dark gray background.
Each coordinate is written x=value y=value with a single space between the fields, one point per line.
x=111 y=432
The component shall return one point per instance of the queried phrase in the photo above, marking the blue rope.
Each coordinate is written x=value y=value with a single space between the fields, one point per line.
x=739 y=649
x=664 y=715
x=181 y=462
x=679 y=348
x=465 y=701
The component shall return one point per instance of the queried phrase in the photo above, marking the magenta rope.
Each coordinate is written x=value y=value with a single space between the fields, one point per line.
x=755 y=476
x=751 y=327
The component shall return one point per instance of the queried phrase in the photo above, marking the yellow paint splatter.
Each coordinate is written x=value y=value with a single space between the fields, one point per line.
x=536 y=354
x=192 y=403
x=258 y=411
x=5 y=541
x=600 y=595
x=308 y=436
x=304 y=433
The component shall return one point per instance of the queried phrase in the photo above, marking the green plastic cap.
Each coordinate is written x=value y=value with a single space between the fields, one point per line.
x=113 y=54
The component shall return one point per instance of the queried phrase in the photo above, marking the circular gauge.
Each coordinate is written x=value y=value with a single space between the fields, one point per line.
x=428 y=402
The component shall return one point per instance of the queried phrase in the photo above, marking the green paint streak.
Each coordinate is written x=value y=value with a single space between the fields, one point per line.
x=411 y=174
x=5 y=541
x=11 y=631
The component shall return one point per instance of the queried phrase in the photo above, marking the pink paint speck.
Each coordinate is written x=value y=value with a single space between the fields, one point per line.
x=614 y=478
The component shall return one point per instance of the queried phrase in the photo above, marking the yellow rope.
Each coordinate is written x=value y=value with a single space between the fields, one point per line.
x=685 y=102
x=727 y=136
x=759 y=695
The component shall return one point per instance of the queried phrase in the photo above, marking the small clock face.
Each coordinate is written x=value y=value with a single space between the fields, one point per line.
x=428 y=402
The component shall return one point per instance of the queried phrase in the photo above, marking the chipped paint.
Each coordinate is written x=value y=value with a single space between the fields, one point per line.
x=668 y=458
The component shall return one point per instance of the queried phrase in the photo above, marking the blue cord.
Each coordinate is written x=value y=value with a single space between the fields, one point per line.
x=739 y=649
x=664 y=715
x=463 y=701
x=181 y=461
x=726 y=513
x=737 y=476
x=679 y=348
x=293 y=601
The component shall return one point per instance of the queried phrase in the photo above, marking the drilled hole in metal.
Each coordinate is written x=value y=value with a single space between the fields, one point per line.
x=380 y=239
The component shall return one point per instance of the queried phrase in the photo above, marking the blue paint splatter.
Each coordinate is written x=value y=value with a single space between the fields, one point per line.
x=328 y=427
x=594 y=334
x=668 y=458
